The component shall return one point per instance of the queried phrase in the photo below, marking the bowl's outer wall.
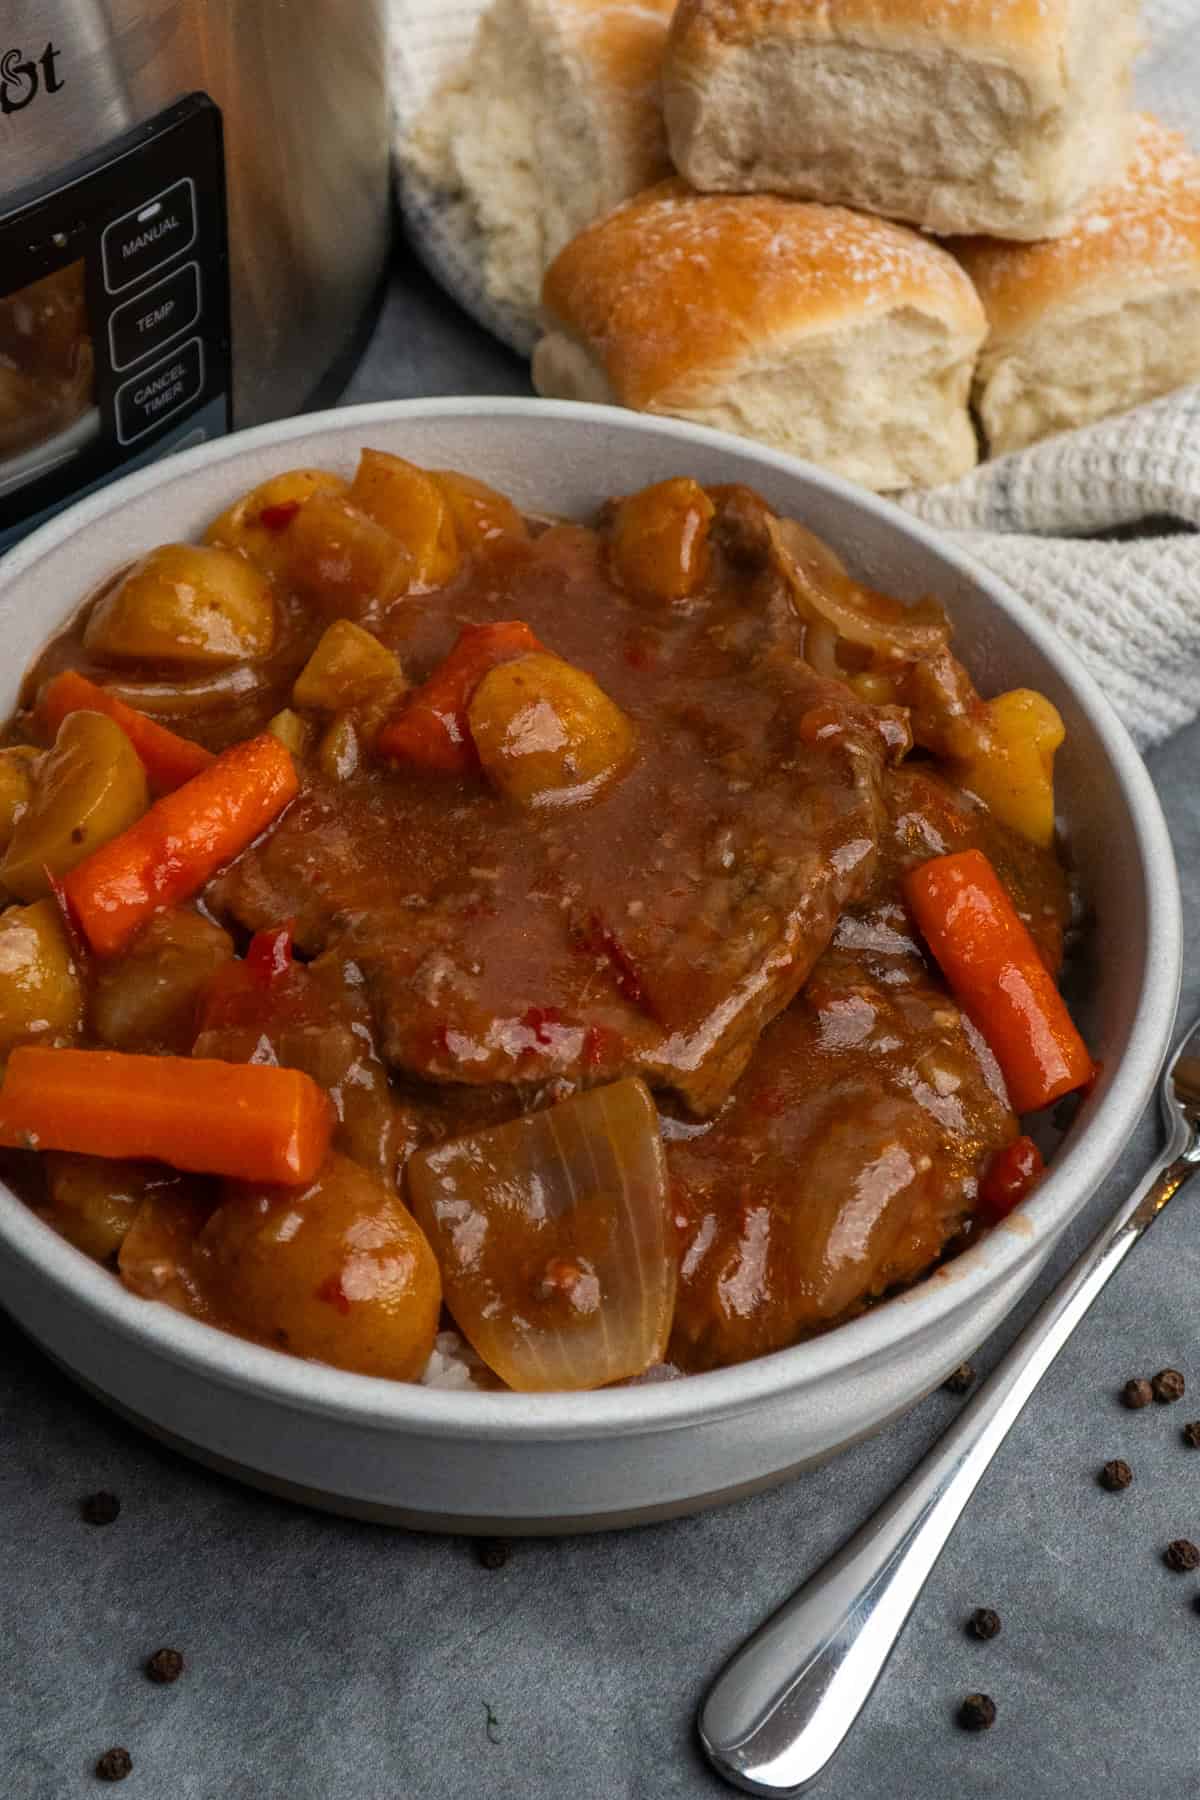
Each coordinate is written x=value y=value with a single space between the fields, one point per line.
x=820 y=1396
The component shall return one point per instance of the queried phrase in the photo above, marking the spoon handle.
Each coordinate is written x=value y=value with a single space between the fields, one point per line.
x=784 y=1702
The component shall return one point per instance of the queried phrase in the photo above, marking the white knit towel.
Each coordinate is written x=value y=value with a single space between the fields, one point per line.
x=1131 y=608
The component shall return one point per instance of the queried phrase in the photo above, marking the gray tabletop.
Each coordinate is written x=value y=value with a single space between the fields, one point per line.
x=328 y=1659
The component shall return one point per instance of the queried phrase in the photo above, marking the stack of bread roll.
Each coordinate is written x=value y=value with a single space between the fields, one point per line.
x=879 y=234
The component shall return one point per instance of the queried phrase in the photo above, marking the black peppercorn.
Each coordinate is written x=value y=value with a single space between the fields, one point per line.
x=1167 y=1386
x=1116 y=1475
x=492 y=1553
x=114 y=1765
x=983 y=1623
x=100 y=1509
x=164 y=1666
x=1136 y=1394
x=1191 y=1434
x=977 y=1712
x=1182 y=1556
x=961 y=1380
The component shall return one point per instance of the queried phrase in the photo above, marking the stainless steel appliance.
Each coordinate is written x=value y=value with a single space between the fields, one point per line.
x=194 y=216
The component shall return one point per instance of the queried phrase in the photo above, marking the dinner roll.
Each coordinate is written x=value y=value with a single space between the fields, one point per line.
x=1101 y=319
x=841 y=338
x=996 y=116
x=554 y=117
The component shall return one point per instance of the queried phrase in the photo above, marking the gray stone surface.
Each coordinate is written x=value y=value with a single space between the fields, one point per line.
x=329 y=1659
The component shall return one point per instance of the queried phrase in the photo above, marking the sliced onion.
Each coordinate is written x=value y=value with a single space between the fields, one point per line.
x=554 y=1240
x=199 y=695
x=823 y=591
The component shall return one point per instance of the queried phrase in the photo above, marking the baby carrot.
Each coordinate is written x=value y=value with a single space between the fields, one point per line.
x=993 y=967
x=248 y=1120
x=171 y=851
x=431 y=728
x=169 y=760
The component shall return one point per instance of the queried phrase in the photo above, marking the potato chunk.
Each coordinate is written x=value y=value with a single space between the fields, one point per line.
x=414 y=508
x=545 y=732
x=479 y=512
x=147 y=999
x=41 y=998
x=344 y=562
x=348 y=668
x=86 y=790
x=341 y=1272
x=291 y=730
x=1015 y=777
x=16 y=788
x=660 y=539
x=185 y=604
x=93 y=1200
x=259 y=523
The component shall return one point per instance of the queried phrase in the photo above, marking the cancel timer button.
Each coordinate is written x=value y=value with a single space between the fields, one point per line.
x=160 y=391
x=149 y=236
x=156 y=316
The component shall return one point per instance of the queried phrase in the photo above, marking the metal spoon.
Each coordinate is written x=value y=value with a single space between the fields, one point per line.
x=785 y=1701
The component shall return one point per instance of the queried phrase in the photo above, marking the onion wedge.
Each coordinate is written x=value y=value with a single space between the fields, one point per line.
x=822 y=590
x=553 y=1234
x=200 y=694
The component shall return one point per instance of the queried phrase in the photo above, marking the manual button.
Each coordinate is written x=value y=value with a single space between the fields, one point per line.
x=148 y=236
x=160 y=391
x=152 y=319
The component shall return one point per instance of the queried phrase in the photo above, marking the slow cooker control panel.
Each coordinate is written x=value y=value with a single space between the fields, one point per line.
x=114 y=314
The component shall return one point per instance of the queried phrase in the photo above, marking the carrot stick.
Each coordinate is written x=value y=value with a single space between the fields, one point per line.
x=249 y=1120
x=171 y=851
x=169 y=759
x=431 y=729
x=993 y=967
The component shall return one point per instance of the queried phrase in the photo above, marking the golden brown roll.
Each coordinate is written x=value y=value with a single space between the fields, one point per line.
x=554 y=117
x=841 y=338
x=996 y=116
x=1101 y=319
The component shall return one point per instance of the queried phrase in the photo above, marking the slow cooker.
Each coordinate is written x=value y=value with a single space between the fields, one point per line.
x=193 y=225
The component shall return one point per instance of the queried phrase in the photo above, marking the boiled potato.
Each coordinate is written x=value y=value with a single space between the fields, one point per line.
x=16 y=788
x=86 y=790
x=545 y=731
x=1014 y=777
x=341 y=1272
x=338 y=750
x=343 y=561
x=146 y=1000
x=258 y=523
x=348 y=668
x=479 y=512
x=93 y=1201
x=185 y=604
x=414 y=508
x=41 y=997
x=660 y=539
x=291 y=730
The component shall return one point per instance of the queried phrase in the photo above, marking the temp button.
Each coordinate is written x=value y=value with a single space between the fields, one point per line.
x=160 y=391
x=153 y=318
x=149 y=236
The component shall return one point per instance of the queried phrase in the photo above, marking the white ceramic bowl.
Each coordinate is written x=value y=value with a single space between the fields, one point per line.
x=556 y=1462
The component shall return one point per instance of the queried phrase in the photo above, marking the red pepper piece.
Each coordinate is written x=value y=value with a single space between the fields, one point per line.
x=269 y=955
x=536 y=1020
x=431 y=729
x=334 y=1294
x=1012 y=1173
x=278 y=518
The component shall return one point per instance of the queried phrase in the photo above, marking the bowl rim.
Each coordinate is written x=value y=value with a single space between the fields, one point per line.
x=238 y=1364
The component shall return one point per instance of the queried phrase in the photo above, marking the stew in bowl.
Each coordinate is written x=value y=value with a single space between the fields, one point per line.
x=633 y=944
